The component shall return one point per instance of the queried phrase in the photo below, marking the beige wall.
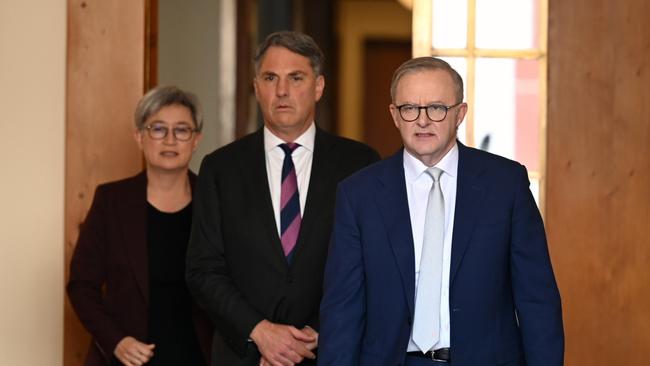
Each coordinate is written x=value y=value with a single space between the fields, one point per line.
x=196 y=51
x=32 y=89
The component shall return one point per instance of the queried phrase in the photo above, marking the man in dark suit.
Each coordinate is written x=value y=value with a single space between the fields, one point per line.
x=263 y=215
x=438 y=254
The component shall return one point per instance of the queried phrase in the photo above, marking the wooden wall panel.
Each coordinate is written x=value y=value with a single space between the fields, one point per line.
x=598 y=190
x=105 y=79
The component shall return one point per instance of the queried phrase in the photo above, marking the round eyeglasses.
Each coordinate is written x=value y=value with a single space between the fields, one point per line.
x=435 y=112
x=159 y=132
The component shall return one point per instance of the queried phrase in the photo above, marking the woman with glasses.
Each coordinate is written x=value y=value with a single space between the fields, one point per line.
x=127 y=273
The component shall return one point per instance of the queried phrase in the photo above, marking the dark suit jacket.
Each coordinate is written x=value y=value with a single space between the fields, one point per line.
x=109 y=276
x=503 y=300
x=235 y=266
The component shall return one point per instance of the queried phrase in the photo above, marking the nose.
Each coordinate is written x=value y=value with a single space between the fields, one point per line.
x=170 y=139
x=423 y=120
x=282 y=87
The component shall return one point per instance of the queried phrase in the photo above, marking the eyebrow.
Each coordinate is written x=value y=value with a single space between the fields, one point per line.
x=173 y=123
x=292 y=73
x=422 y=105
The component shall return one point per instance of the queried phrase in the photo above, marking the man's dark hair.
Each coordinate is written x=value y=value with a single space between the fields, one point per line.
x=295 y=42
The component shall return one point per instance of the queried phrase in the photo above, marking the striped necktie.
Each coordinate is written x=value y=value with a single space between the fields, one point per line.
x=289 y=203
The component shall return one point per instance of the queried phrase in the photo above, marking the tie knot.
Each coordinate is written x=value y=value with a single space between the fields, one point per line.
x=435 y=173
x=289 y=147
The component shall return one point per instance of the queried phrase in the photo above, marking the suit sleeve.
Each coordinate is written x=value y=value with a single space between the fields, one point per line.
x=207 y=273
x=342 y=312
x=88 y=275
x=536 y=296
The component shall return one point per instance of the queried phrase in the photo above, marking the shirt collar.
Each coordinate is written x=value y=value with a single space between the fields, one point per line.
x=305 y=140
x=414 y=168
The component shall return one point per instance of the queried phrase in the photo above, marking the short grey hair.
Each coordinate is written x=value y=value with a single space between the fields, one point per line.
x=295 y=42
x=427 y=63
x=163 y=96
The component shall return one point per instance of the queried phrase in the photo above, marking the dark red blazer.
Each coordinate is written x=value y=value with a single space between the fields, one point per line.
x=109 y=274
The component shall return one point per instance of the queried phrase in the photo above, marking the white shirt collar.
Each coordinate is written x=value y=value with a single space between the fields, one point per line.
x=413 y=167
x=305 y=140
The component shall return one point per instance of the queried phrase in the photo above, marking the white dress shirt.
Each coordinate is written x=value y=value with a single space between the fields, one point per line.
x=302 y=159
x=418 y=184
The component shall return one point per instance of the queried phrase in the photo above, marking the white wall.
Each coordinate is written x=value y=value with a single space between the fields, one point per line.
x=32 y=132
x=196 y=51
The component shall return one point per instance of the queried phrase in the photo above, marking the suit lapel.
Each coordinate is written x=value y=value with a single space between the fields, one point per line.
x=253 y=171
x=133 y=218
x=469 y=197
x=323 y=162
x=393 y=204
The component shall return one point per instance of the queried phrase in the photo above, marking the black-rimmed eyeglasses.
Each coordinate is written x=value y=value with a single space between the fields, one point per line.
x=435 y=112
x=159 y=132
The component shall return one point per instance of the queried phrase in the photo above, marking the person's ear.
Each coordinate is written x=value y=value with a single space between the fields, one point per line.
x=138 y=135
x=196 y=140
x=460 y=116
x=394 y=112
x=255 y=88
x=320 y=87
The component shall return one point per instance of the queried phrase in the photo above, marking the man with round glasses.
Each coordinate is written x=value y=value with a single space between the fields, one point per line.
x=438 y=254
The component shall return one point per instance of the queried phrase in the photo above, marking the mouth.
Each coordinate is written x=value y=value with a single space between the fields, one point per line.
x=283 y=108
x=424 y=134
x=169 y=154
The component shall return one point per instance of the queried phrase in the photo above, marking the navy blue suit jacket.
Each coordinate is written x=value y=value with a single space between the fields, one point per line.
x=504 y=303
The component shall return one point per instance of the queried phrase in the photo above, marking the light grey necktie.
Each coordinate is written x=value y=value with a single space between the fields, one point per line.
x=426 y=323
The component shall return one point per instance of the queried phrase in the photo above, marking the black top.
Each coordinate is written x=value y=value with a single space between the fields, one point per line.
x=170 y=306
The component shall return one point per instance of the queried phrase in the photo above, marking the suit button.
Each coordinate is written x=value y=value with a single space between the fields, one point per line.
x=409 y=320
